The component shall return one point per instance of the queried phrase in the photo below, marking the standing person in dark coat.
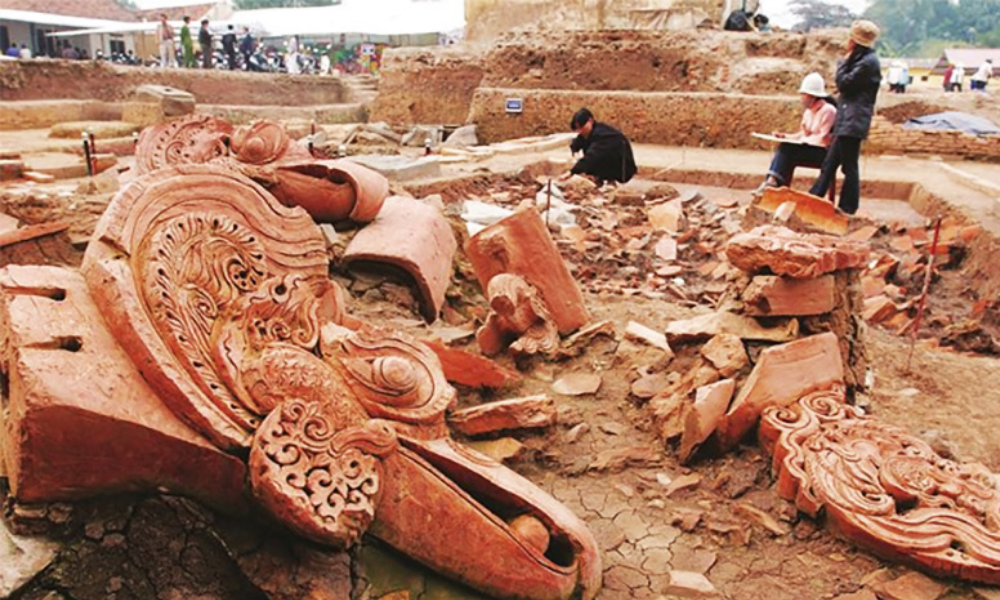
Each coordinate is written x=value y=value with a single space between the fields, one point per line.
x=607 y=154
x=858 y=81
x=205 y=41
x=229 y=47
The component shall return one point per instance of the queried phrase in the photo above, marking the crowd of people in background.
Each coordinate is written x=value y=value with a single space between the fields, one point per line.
x=954 y=77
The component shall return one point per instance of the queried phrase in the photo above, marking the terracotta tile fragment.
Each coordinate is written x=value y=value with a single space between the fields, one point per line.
x=532 y=412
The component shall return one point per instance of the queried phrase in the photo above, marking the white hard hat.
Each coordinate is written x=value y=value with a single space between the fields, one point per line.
x=814 y=86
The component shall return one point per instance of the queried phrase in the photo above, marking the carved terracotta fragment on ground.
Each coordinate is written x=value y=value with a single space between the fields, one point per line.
x=521 y=245
x=413 y=236
x=518 y=320
x=191 y=139
x=885 y=489
x=330 y=190
x=221 y=339
x=777 y=250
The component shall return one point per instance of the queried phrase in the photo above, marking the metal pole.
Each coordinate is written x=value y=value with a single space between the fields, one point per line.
x=86 y=157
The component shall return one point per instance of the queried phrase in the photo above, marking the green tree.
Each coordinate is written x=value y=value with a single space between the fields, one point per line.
x=911 y=25
x=815 y=14
x=252 y=4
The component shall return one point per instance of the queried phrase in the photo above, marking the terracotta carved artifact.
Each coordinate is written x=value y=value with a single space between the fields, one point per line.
x=330 y=190
x=230 y=372
x=518 y=319
x=781 y=251
x=885 y=489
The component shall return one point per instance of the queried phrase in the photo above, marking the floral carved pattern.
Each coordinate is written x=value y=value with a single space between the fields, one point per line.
x=884 y=488
x=186 y=140
x=195 y=266
x=321 y=478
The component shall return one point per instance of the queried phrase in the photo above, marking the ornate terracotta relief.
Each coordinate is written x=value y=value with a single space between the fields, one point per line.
x=517 y=313
x=885 y=489
x=217 y=309
x=330 y=190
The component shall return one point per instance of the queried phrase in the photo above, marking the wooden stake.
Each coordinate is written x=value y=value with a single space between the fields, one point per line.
x=915 y=331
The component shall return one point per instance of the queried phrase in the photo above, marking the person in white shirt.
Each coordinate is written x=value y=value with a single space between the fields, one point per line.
x=982 y=76
x=957 y=77
x=165 y=37
x=26 y=53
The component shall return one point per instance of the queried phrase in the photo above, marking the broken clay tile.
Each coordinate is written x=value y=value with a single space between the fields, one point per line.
x=688 y=584
x=414 y=237
x=641 y=333
x=668 y=216
x=879 y=309
x=724 y=322
x=761 y=518
x=912 y=586
x=681 y=483
x=501 y=450
x=773 y=296
x=520 y=244
x=39 y=177
x=782 y=375
x=812 y=210
x=468 y=369
x=784 y=252
x=30 y=232
x=576 y=343
x=617 y=459
x=650 y=385
x=727 y=354
x=862 y=594
x=710 y=404
x=532 y=412
x=670 y=271
x=666 y=248
x=863 y=234
x=577 y=384
x=784 y=212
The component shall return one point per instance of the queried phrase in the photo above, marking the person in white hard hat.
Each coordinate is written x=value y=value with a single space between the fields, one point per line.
x=808 y=145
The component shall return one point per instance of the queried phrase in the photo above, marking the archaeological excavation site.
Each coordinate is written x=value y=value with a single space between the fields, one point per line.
x=429 y=331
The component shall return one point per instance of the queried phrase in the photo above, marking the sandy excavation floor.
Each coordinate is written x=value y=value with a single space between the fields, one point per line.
x=719 y=516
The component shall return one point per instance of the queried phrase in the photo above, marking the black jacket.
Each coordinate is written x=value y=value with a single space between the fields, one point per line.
x=607 y=154
x=229 y=43
x=858 y=80
x=205 y=40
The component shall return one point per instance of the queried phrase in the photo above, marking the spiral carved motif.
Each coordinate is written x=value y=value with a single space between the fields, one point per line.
x=320 y=476
x=884 y=488
x=187 y=140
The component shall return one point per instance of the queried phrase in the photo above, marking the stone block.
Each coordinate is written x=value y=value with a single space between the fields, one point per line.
x=100 y=129
x=772 y=296
x=143 y=114
x=532 y=412
x=911 y=586
x=172 y=101
x=412 y=236
x=783 y=374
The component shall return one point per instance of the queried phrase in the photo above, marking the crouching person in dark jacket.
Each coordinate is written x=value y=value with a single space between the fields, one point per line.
x=858 y=80
x=607 y=154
